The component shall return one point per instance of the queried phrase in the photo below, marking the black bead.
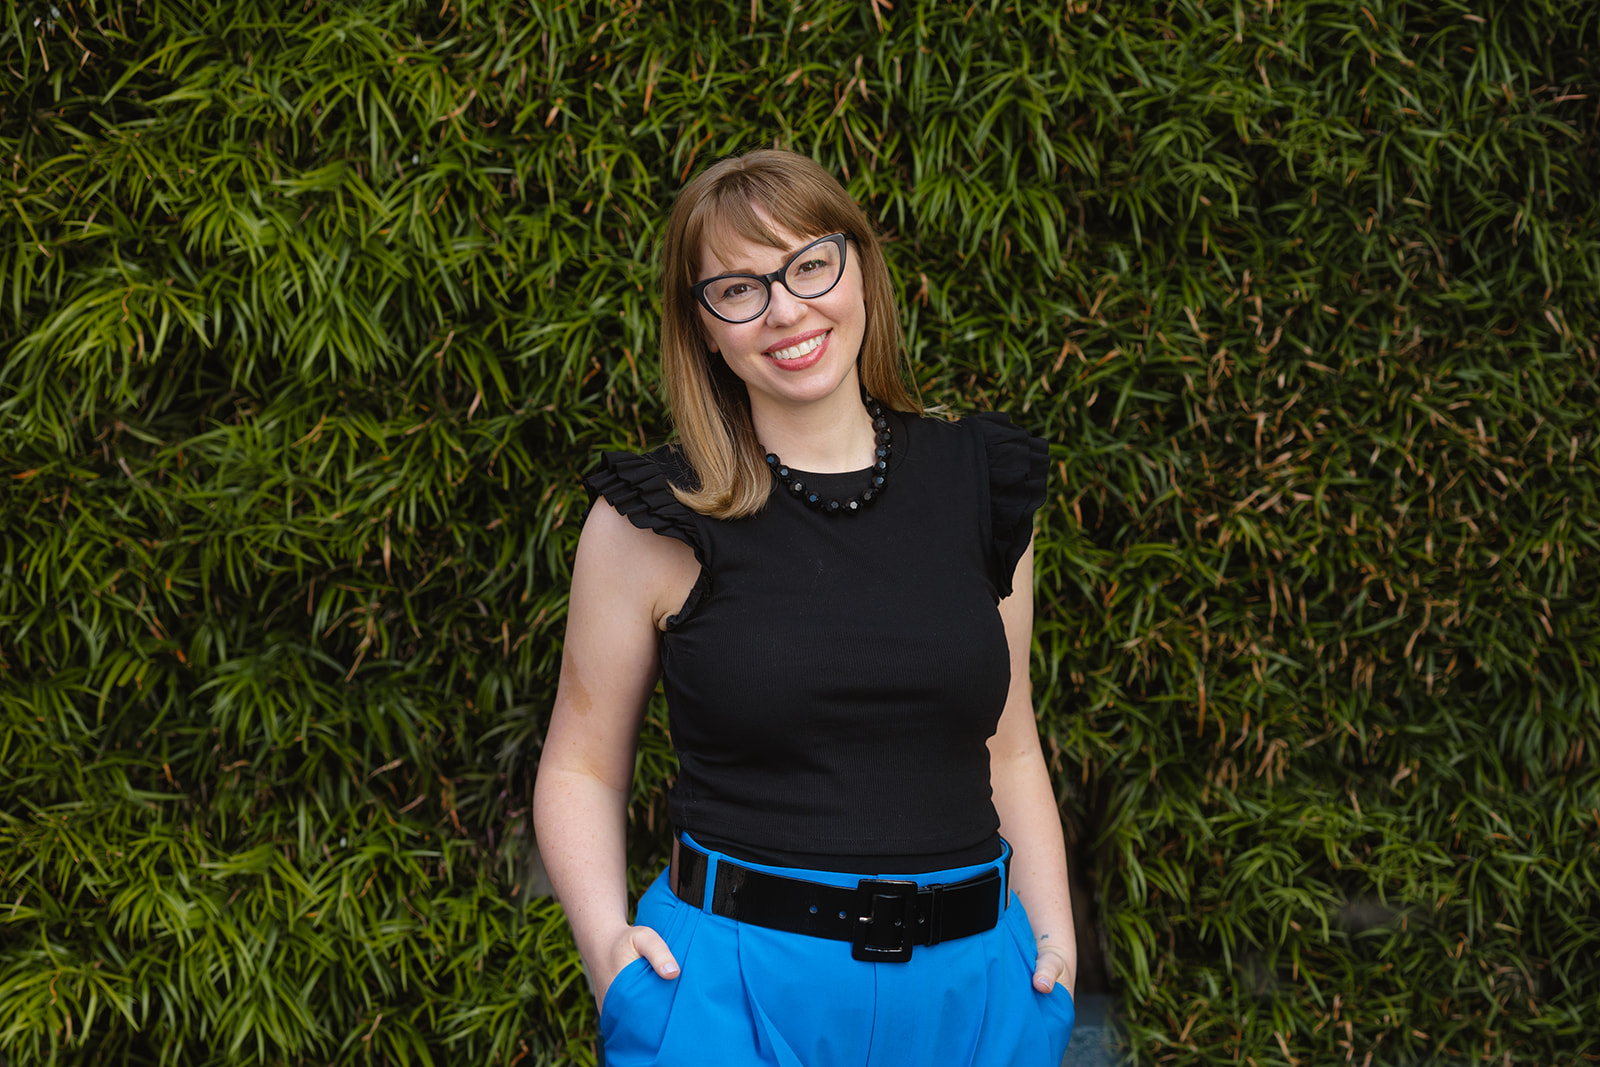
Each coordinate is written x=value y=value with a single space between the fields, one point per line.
x=882 y=465
x=880 y=423
x=878 y=481
x=852 y=505
x=797 y=487
x=882 y=452
x=867 y=495
x=772 y=458
x=813 y=498
x=783 y=472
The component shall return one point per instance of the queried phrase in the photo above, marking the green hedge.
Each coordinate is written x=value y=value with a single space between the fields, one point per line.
x=313 y=314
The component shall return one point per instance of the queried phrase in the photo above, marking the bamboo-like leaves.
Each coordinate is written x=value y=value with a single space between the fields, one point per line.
x=312 y=316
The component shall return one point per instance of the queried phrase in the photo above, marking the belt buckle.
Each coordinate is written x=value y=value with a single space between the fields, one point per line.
x=886 y=920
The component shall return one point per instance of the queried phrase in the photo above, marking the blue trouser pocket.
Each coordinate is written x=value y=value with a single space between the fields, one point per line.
x=639 y=1002
x=1056 y=1009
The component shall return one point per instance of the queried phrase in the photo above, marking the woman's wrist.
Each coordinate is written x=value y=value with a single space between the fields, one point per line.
x=601 y=945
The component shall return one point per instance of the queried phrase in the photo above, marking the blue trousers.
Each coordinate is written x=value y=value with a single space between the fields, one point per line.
x=748 y=996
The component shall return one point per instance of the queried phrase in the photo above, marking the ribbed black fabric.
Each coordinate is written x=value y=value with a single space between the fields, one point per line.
x=833 y=680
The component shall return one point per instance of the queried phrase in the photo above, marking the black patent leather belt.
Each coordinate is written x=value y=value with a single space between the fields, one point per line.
x=881 y=918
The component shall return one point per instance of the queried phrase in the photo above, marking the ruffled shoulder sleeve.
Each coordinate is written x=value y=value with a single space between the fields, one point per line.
x=1018 y=463
x=640 y=487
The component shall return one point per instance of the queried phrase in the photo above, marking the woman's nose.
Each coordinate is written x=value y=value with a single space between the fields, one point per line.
x=783 y=307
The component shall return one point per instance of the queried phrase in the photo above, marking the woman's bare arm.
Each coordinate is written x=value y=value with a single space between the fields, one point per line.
x=624 y=581
x=1026 y=800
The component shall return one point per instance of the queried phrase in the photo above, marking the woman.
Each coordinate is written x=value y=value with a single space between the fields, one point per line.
x=843 y=635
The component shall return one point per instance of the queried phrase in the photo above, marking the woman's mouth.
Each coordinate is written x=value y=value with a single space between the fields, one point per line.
x=801 y=353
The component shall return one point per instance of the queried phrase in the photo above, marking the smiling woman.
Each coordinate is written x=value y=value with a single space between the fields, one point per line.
x=862 y=810
x=750 y=215
x=792 y=346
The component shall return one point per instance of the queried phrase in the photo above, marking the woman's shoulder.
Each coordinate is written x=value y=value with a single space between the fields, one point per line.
x=639 y=485
x=667 y=461
x=991 y=433
x=640 y=550
x=1015 y=467
x=1014 y=461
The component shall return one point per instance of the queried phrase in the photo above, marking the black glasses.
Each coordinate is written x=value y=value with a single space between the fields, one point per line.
x=808 y=274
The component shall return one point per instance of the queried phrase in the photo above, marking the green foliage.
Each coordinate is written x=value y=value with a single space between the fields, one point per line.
x=313 y=314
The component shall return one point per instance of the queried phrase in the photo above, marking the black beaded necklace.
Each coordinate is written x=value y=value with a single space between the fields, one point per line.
x=877 y=480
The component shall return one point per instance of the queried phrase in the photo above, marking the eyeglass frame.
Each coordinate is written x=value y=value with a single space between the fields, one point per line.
x=776 y=277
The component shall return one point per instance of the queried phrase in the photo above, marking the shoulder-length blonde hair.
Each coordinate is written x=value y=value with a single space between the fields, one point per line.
x=710 y=405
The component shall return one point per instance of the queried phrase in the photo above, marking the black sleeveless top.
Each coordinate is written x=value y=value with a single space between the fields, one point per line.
x=832 y=680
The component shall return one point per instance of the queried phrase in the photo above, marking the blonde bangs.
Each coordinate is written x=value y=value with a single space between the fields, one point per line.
x=730 y=214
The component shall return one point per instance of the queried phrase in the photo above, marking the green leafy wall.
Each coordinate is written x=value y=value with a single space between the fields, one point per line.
x=314 y=313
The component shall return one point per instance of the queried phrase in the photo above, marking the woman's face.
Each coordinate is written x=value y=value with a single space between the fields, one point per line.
x=798 y=352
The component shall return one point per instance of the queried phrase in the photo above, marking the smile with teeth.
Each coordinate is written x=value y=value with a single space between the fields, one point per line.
x=801 y=349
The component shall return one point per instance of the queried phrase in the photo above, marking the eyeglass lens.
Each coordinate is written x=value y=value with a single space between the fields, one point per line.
x=811 y=273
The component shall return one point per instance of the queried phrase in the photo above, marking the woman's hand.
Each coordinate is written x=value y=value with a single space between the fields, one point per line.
x=1054 y=965
x=635 y=942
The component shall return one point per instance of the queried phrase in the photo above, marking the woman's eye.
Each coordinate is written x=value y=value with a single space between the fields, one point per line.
x=734 y=290
x=810 y=266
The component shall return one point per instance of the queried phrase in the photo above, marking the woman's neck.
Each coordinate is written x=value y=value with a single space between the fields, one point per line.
x=828 y=437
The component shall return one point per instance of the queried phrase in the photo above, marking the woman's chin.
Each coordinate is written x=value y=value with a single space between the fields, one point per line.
x=805 y=390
